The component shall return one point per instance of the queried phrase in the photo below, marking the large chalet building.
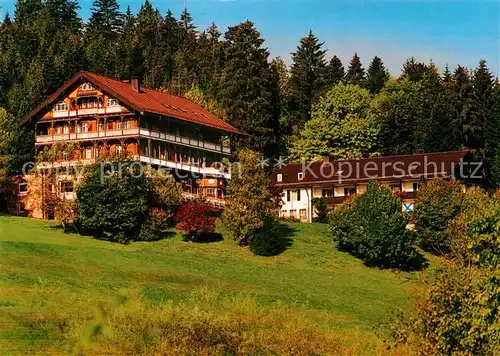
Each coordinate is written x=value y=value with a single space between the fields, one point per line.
x=104 y=116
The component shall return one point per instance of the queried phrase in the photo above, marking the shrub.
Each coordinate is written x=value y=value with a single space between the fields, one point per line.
x=321 y=210
x=113 y=201
x=373 y=228
x=460 y=314
x=437 y=205
x=267 y=241
x=194 y=219
x=148 y=233
x=159 y=218
x=167 y=192
x=251 y=202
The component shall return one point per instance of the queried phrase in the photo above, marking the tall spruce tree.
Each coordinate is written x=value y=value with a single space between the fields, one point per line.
x=414 y=71
x=334 y=72
x=106 y=19
x=377 y=76
x=307 y=77
x=462 y=86
x=101 y=38
x=355 y=73
x=247 y=89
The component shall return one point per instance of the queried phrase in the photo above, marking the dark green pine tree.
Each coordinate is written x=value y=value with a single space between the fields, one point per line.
x=6 y=43
x=437 y=128
x=170 y=43
x=307 y=77
x=447 y=76
x=65 y=14
x=493 y=141
x=414 y=71
x=462 y=88
x=186 y=64
x=148 y=24
x=129 y=61
x=484 y=128
x=355 y=73
x=106 y=19
x=377 y=75
x=482 y=88
x=101 y=38
x=334 y=71
x=247 y=90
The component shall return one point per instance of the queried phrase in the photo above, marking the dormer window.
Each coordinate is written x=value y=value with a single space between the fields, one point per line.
x=61 y=106
x=300 y=176
x=86 y=86
x=279 y=177
x=113 y=102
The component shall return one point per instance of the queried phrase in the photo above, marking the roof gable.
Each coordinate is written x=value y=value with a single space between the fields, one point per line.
x=145 y=100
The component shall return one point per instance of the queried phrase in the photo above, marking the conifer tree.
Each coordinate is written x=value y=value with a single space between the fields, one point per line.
x=307 y=77
x=377 y=76
x=334 y=72
x=462 y=86
x=447 y=77
x=247 y=91
x=106 y=19
x=129 y=61
x=355 y=73
x=414 y=71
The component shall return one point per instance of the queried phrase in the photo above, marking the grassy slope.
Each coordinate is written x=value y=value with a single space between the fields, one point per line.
x=43 y=270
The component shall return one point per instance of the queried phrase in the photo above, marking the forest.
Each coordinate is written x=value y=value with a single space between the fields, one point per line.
x=316 y=106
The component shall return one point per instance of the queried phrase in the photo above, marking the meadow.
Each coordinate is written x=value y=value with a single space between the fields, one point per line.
x=63 y=293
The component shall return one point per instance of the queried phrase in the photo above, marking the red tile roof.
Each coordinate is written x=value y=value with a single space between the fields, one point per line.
x=147 y=100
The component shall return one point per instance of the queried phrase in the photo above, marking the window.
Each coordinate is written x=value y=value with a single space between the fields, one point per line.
x=118 y=149
x=349 y=191
x=23 y=187
x=86 y=86
x=279 y=177
x=325 y=193
x=300 y=176
x=416 y=186
x=211 y=192
x=288 y=195
x=298 y=195
x=21 y=207
x=51 y=188
x=303 y=214
x=88 y=153
x=394 y=187
x=113 y=102
x=66 y=129
x=61 y=106
x=67 y=187
x=85 y=127
x=293 y=213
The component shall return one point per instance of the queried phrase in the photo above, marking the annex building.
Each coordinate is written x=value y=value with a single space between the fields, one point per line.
x=337 y=181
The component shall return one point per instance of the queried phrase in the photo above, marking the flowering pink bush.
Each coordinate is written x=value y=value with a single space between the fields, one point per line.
x=193 y=219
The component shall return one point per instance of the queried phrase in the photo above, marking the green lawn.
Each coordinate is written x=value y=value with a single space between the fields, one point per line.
x=45 y=272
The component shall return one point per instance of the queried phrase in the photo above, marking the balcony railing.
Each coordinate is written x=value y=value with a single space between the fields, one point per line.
x=161 y=136
x=202 y=171
x=88 y=111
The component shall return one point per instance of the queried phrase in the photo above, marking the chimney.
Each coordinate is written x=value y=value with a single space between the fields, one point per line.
x=135 y=84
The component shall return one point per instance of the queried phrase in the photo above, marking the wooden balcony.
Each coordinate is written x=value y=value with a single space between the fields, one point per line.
x=156 y=135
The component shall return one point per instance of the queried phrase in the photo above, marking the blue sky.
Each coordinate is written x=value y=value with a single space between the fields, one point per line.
x=453 y=32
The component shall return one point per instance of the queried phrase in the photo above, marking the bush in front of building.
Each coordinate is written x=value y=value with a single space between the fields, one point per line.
x=321 y=210
x=113 y=201
x=195 y=221
x=373 y=228
x=252 y=205
x=460 y=312
x=438 y=203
